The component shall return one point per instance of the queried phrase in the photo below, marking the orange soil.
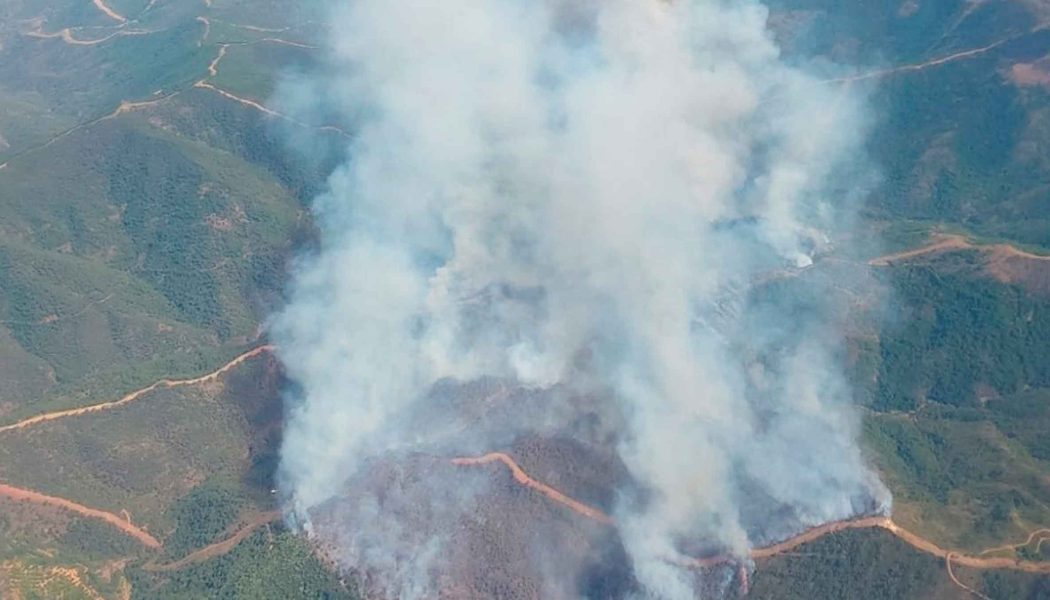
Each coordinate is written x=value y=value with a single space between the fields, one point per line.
x=1041 y=534
x=124 y=523
x=218 y=548
x=523 y=478
x=133 y=396
x=955 y=580
x=941 y=243
x=30 y=496
x=1030 y=74
x=785 y=546
x=817 y=532
x=45 y=576
x=1006 y=250
x=127 y=106
x=999 y=255
x=73 y=576
x=67 y=36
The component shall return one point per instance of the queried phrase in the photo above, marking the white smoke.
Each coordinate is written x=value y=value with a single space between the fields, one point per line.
x=555 y=191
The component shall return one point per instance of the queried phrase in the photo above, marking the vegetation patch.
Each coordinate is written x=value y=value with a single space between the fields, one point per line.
x=267 y=565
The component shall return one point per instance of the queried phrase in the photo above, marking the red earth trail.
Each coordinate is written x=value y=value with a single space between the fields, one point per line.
x=941 y=243
x=1041 y=534
x=218 y=548
x=523 y=478
x=126 y=106
x=882 y=522
x=127 y=527
x=133 y=396
x=955 y=580
x=948 y=242
x=124 y=524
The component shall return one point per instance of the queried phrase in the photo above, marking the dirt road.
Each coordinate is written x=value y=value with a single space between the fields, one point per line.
x=218 y=548
x=36 y=497
x=941 y=243
x=1041 y=534
x=66 y=36
x=524 y=479
x=109 y=12
x=810 y=535
x=268 y=111
x=956 y=581
x=951 y=242
x=965 y=54
x=133 y=396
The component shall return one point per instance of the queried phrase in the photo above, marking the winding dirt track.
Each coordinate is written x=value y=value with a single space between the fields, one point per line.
x=951 y=242
x=955 y=580
x=962 y=55
x=66 y=36
x=125 y=524
x=109 y=12
x=914 y=540
x=218 y=548
x=213 y=66
x=133 y=396
x=940 y=244
x=213 y=71
x=1040 y=534
x=203 y=84
x=524 y=479
x=127 y=527
x=249 y=103
x=930 y=63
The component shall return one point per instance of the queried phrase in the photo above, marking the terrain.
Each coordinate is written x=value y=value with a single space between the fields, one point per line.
x=150 y=203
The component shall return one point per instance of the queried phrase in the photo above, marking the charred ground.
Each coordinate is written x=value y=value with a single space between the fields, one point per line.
x=97 y=300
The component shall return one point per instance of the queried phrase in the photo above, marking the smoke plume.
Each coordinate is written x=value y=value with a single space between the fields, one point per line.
x=608 y=197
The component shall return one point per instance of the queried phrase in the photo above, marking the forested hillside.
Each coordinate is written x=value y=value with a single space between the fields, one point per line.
x=153 y=195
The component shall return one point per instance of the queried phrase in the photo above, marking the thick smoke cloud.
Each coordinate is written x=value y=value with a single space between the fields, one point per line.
x=590 y=194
